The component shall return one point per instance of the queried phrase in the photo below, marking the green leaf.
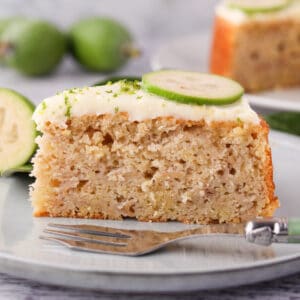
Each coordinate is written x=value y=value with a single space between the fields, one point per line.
x=285 y=121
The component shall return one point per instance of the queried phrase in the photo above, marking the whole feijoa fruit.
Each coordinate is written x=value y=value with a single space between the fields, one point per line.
x=33 y=47
x=5 y=22
x=101 y=44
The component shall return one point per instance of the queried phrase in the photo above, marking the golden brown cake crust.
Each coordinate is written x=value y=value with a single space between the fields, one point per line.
x=222 y=47
x=274 y=203
x=107 y=167
x=259 y=55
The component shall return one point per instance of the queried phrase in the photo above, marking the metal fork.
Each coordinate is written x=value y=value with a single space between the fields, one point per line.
x=139 y=242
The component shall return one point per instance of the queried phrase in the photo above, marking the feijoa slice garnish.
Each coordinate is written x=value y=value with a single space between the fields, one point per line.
x=192 y=87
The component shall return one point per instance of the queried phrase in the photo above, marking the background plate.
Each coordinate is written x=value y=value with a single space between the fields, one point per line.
x=192 y=53
x=202 y=263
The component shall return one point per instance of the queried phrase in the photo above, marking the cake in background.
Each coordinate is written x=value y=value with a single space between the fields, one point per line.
x=257 y=43
x=154 y=152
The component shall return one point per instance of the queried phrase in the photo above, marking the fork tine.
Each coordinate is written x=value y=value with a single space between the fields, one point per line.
x=107 y=240
x=90 y=246
x=97 y=230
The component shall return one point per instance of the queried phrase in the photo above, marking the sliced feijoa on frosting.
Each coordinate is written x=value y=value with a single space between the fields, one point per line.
x=17 y=130
x=192 y=87
x=258 y=6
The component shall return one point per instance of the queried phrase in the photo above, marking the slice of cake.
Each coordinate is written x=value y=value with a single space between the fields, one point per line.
x=122 y=150
x=257 y=43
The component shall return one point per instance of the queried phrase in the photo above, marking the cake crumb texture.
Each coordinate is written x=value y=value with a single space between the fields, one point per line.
x=161 y=169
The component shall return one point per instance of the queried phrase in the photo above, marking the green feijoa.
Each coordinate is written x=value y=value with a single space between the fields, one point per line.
x=192 y=87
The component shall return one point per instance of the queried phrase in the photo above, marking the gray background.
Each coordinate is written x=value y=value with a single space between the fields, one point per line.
x=147 y=19
x=151 y=22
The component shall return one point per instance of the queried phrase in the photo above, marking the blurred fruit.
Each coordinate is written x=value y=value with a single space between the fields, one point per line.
x=3 y=24
x=7 y=21
x=101 y=44
x=32 y=47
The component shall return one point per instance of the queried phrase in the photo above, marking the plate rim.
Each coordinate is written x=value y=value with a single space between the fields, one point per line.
x=122 y=281
x=279 y=105
x=246 y=266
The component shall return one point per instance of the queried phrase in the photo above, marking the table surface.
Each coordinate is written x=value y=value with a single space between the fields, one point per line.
x=283 y=289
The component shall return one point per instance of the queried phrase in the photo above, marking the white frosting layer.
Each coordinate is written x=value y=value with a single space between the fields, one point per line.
x=237 y=16
x=139 y=105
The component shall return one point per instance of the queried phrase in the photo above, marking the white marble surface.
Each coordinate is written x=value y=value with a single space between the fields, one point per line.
x=150 y=21
x=281 y=289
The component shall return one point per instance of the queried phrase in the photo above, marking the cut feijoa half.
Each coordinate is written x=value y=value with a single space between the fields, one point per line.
x=17 y=130
x=192 y=87
x=21 y=169
x=258 y=6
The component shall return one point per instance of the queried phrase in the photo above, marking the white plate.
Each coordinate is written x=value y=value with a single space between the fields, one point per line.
x=202 y=263
x=192 y=53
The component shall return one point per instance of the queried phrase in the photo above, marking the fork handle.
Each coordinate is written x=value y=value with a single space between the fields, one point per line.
x=294 y=227
x=278 y=230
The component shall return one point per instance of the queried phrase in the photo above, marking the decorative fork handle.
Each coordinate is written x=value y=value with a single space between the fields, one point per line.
x=264 y=231
x=273 y=230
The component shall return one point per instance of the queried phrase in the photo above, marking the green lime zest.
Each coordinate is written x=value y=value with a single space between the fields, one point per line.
x=68 y=106
x=129 y=86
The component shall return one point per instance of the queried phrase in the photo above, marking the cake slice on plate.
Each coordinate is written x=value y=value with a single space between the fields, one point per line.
x=177 y=146
x=257 y=43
